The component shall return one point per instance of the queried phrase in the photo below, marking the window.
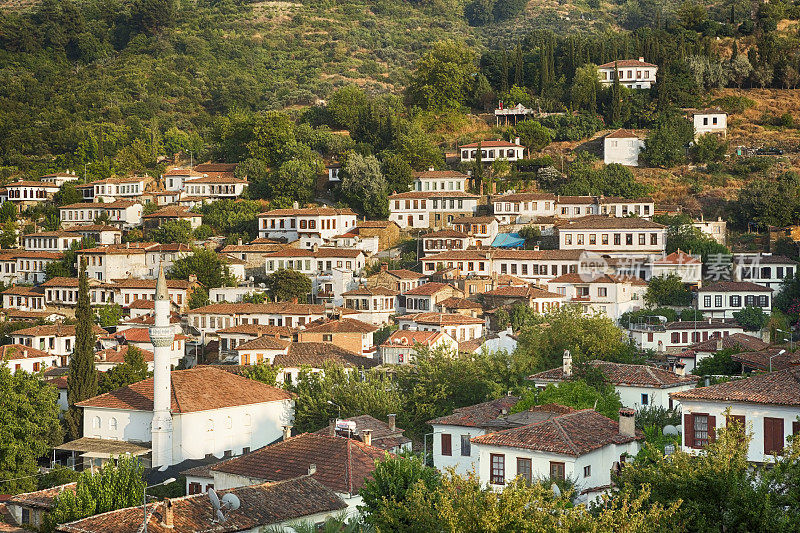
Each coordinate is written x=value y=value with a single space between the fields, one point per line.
x=706 y=301
x=447 y=444
x=736 y=301
x=645 y=399
x=524 y=469
x=592 y=238
x=773 y=436
x=698 y=429
x=642 y=239
x=602 y=292
x=112 y=424
x=604 y=238
x=750 y=300
x=629 y=239
x=96 y=422
x=718 y=300
x=763 y=301
x=617 y=239
x=466 y=446
x=587 y=471
x=195 y=488
x=498 y=468
x=26 y=516
x=557 y=470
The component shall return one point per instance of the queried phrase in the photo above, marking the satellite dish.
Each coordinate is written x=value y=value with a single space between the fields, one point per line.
x=669 y=429
x=220 y=516
x=212 y=495
x=556 y=490
x=231 y=501
x=680 y=429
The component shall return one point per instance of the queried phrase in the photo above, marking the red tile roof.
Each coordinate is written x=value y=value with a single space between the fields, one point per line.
x=371 y=291
x=22 y=290
x=136 y=283
x=625 y=375
x=733 y=286
x=523 y=197
x=433 y=174
x=307 y=211
x=405 y=274
x=316 y=354
x=319 y=252
x=342 y=464
x=737 y=340
x=626 y=63
x=382 y=435
x=441 y=319
x=424 y=195
x=479 y=414
x=267 y=504
x=281 y=308
x=606 y=222
x=572 y=434
x=257 y=330
x=58 y=330
x=491 y=144
x=405 y=337
x=678 y=257
x=40 y=499
x=622 y=134
x=117 y=354
x=344 y=325
x=197 y=389
x=264 y=343
x=514 y=291
x=173 y=211
x=428 y=289
x=459 y=303
x=774 y=388
x=446 y=234
x=20 y=351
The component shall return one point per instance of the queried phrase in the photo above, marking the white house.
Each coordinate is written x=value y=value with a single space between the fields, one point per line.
x=59 y=178
x=315 y=261
x=24 y=298
x=605 y=294
x=742 y=342
x=672 y=337
x=312 y=225
x=582 y=445
x=176 y=178
x=529 y=265
x=401 y=346
x=481 y=230
x=434 y=209
x=21 y=357
x=439 y=180
x=492 y=151
x=523 y=207
x=716 y=229
x=50 y=241
x=374 y=305
x=614 y=236
x=124 y=213
x=713 y=121
x=114 y=262
x=452 y=434
x=216 y=316
x=622 y=147
x=55 y=339
x=766 y=405
x=687 y=267
x=633 y=74
x=213 y=412
x=638 y=386
x=763 y=269
x=460 y=327
x=444 y=239
x=30 y=192
x=210 y=188
x=112 y=189
x=723 y=298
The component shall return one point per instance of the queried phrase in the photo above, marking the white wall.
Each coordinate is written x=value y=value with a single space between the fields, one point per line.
x=622 y=151
x=462 y=464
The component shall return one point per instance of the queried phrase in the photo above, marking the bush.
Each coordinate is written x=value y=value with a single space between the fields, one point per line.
x=709 y=148
x=572 y=127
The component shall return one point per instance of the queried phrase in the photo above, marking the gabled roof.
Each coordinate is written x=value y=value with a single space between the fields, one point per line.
x=513 y=291
x=323 y=252
x=58 y=330
x=370 y=291
x=268 y=504
x=445 y=234
x=257 y=330
x=459 y=303
x=774 y=388
x=342 y=464
x=136 y=283
x=23 y=290
x=265 y=342
x=734 y=286
x=625 y=375
x=606 y=222
x=523 y=197
x=492 y=144
x=766 y=360
x=433 y=174
x=307 y=211
x=403 y=273
x=173 y=211
x=380 y=430
x=198 y=389
x=408 y=338
x=40 y=499
x=742 y=341
x=572 y=434
x=479 y=414
x=622 y=134
x=20 y=351
x=626 y=63
x=343 y=325
x=441 y=319
x=678 y=257
x=574 y=277
x=316 y=354
x=117 y=355
x=433 y=195
x=119 y=204
x=282 y=308
x=762 y=259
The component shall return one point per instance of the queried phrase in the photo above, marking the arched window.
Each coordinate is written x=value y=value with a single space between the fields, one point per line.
x=112 y=424
x=96 y=422
x=210 y=425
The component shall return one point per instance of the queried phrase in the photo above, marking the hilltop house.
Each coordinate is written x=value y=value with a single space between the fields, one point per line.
x=622 y=147
x=633 y=74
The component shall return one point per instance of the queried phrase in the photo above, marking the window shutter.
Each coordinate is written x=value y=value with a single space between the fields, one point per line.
x=712 y=428
x=688 y=431
x=768 y=436
x=795 y=427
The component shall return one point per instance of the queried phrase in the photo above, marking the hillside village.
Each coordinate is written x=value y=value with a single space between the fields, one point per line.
x=554 y=286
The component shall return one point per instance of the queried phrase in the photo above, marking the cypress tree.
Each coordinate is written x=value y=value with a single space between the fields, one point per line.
x=504 y=73
x=518 y=73
x=616 y=98
x=82 y=380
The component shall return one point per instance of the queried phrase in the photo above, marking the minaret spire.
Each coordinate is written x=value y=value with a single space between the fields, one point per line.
x=162 y=335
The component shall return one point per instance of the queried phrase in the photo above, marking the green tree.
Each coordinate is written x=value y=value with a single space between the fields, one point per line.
x=67 y=195
x=82 y=382
x=667 y=290
x=132 y=370
x=479 y=12
x=209 y=267
x=533 y=135
x=364 y=187
x=29 y=428
x=173 y=231
x=709 y=148
x=768 y=202
x=286 y=284
x=442 y=76
x=666 y=144
x=263 y=372
x=397 y=173
x=199 y=298
x=108 y=315
x=720 y=363
x=295 y=179
x=273 y=138
x=751 y=318
x=577 y=394
x=8 y=212
x=384 y=496
x=118 y=485
x=8 y=237
x=585 y=88
x=345 y=105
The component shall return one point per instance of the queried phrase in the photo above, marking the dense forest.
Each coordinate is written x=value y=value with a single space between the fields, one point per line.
x=112 y=86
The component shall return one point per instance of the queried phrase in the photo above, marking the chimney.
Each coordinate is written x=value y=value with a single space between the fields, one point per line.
x=312 y=469
x=366 y=436
x=719 y=343
x=24 y=354
x=332 y=428
x=128 y=244
x=627 y=422
x=392 y=422
x=295 y=205
x=167 y=519
x=430 y=169
x=384 y=267
x=192 y=278
x=536 y=248
x=516 y=141
x=287 y=432
x=239 y=242
x=641 y=59
x=567 y=364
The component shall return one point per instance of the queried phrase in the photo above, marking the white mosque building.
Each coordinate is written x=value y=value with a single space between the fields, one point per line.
x=183 y=414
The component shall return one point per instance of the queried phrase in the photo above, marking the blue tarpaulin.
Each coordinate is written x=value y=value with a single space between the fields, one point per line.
x=508 y=240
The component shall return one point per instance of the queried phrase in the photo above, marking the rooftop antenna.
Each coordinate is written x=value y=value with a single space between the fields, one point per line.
x=229 y=502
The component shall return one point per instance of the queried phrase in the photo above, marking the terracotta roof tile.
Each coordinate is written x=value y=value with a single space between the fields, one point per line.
x=58 y=330
x=344 y=325
x=678 y=257
x=733 y=286
x=737 y=340
x=524 y=197
x=625 y=375
x=514 y=291
x=307 y=211
x=424 y=195
x=41 y=499
x=370 y=291
x=626 y=63
x=479 y=414
x=284 y=308
x=491 y=144
x=117 y=355
x=382 y=435
x=257 y=330
x=342 y=464
x=774 y=388
x=441 y=319
x=606 y=222
x=173 y=211
x=572 y=434
x=316 y=354
x=446 y=234
x=267 y=504
x=20 y=351
x=405 y=337
x=428 y=289
x=459 y=303
x=433 y=174
x=264 y=343
x=197 y=389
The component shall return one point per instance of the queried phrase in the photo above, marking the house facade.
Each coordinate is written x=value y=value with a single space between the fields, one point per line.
x=434 y=209
x=724 y=298
x=632 y=73
x=622 y=147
